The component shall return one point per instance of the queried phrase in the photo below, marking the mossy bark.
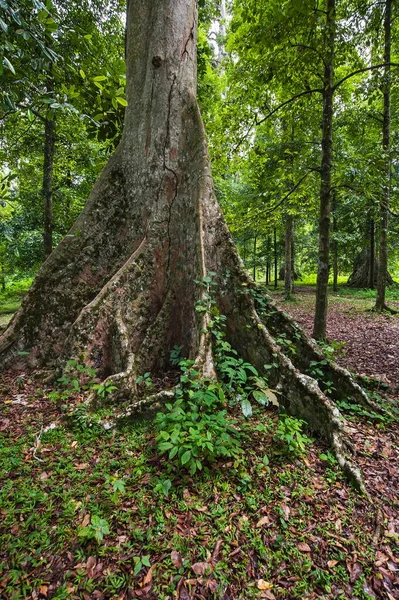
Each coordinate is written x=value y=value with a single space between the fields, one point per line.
x=119 y=291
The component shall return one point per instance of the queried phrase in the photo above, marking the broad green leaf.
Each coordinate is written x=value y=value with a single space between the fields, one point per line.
x=246 y=407
x=186 y=457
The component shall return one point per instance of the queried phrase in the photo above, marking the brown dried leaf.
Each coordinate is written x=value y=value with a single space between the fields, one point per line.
x=303 y=547
x=268 y=595
x=200 y=568
x=264 y=585
x=86 y=520
x=90 y=565
x=331 y=563
x=176 y=559
x=216 y=551
x=262 y=521
x=148 y=578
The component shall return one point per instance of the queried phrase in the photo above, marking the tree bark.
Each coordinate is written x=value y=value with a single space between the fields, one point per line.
x=320 y=318
x=47 y=188
x=118 y=293
x=275 y=258
x=372 y=253
x=288 y=269
x=335 y=246
x=386 y=143
x=254 y=265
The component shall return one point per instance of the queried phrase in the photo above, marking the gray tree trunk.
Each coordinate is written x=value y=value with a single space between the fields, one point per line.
x=386 y=146
x=320 y=318
x=119 y=291
x=288 y=266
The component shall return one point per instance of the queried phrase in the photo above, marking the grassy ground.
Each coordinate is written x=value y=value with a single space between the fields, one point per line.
x=11 y=298
x=267 y=525
x=270 y=524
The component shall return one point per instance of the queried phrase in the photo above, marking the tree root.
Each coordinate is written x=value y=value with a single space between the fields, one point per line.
x=385 y=309
x=303 y=350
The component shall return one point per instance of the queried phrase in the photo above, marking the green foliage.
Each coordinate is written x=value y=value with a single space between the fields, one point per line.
x=196 y=429
x=103 y=390
x=117 y=486
x=140 y=562
x=145 y=380
x=163 y=487
x=78 y=377
x=97 y=529
x=290 y=436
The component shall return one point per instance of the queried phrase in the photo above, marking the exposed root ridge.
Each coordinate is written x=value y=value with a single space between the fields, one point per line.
x=150 y=404
x=302 y=397
x=307 y=350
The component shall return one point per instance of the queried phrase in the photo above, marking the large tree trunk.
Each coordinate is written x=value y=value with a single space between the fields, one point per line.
x=320 y=318
x=119 y=291
x=360 y=276
x=386 y=143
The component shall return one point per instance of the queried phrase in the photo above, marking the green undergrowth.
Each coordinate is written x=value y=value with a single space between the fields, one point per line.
x=86 y=496
x=11 y=298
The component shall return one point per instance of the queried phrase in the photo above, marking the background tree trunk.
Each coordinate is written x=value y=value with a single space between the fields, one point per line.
x=254 y=265
x=335 y=245
x=275 y=258
x=288 y=268
x=47 y=188
x=386 y=143
x=371 y=284
x=320 y=318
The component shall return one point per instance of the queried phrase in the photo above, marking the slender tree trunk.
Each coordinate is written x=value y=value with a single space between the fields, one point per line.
x=222 y=31
x=386 y=143
x=293 y=258
x=268 y=260
x=47 y=188
x=320 y=318
x=335 y=246
x=288 y=273
x=254 y=265
x=372 y=253
x=275 y=258
x=3 y=279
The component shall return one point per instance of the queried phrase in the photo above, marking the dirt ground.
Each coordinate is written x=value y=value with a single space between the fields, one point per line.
x=371 y=341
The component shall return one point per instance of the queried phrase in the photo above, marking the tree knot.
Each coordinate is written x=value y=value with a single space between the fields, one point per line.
x=157 y=61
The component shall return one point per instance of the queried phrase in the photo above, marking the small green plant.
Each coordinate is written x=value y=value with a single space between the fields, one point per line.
x=103 y=390
x=145 y=380
x=77 y=377
x=140 y=562
x=117 y=485
x=196 y=428
x=286 y=344
x=163 y=487
x=290 y=436
x=316 y=368
x=97 y=529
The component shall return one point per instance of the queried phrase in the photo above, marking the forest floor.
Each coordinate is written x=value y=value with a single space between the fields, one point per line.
x=368 y=343
x=268 y=524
